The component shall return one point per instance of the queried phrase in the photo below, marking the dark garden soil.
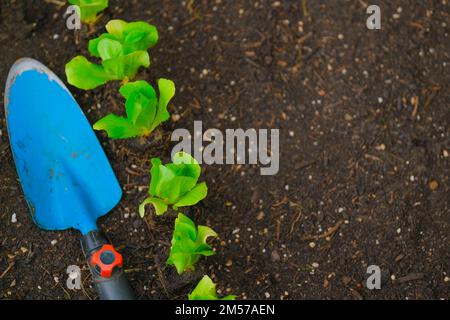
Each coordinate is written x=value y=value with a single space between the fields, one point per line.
x=364 y=141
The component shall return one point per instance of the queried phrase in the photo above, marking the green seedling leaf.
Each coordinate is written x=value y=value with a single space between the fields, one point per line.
x=160 y=206
x=189 y=244
x=175 y=184
x=116 y=127
x=206 y=290
x=134 y=35
x=191 y=197
x=123 y=51
x=109 y=49
x=142 y=109
x=166 y=93
x=89 y=9
x=125 y=67
x=86 y=75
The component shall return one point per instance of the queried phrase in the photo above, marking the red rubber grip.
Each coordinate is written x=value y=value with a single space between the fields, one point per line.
x=106 y=259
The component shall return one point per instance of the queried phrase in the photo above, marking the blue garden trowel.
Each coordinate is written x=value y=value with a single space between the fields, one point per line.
x=65 y=175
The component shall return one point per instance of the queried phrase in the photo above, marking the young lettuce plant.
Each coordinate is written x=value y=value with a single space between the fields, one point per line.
x=144 y=110
x=174 y=184
x=89 y=9
x=206 y=290
x=123 y=50
x=189 y=244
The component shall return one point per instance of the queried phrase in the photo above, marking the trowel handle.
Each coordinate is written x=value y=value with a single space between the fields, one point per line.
x=106 y=266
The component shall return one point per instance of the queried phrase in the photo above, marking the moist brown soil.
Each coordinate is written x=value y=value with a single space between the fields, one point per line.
x=364 y=141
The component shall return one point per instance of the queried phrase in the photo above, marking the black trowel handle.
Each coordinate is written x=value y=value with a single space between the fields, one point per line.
x=106 y=265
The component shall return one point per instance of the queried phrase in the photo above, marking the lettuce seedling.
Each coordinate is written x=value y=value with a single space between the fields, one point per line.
x=206 y=290
x=189 y=244
x=144 y=110
x=123 y=50
x=89 y=9
x=174 y=184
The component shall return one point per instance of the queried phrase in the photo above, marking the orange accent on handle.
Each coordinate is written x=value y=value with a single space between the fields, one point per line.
x=106 y=268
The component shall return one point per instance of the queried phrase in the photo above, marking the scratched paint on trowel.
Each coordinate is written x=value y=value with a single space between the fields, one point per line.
x=67 y=179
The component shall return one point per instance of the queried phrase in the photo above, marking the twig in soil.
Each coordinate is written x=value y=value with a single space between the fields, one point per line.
x=304 y=38
x=372 y=157
x=311 y=54
x=195 y=15
x=253 y=45
x=278 y=230
x=83 y=289
x=328 y=233
x=415 y=101
x=46 y=271
x=304 y=165
x=7 y=270
x=396 y=157
x=278 y=204
x=161 y=278
x=325 y=247
x=132 y=270
x=162 y=281
x=253 y=63
x=65 y=291
x=249 y=270
x=190 y=6
x=296 y=219
x=356 y=294
x=363 y=3
x=430 y=99
x=410 y=277
x=133 y=173
x=305 y=8
x=56 y=3
x=150 y=223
